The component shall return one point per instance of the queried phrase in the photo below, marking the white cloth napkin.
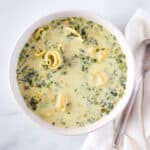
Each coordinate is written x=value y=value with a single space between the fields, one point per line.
x=137 y=135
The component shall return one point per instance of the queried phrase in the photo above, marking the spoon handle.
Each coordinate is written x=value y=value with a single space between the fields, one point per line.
x=125 y=116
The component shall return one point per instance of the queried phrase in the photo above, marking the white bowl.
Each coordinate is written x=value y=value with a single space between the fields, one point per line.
x=130 y=72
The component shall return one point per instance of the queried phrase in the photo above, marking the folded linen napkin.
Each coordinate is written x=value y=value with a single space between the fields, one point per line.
x=137 y=135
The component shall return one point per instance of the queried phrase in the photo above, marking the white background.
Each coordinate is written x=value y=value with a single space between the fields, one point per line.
x=17 y=132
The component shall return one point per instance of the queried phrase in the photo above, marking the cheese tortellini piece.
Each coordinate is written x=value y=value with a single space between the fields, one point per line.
x=39 y=52
x=61 y=47
x=61 y=103
x=53 y=59
x=99 y=53
x=70 y=31
x=38 y=32
x=98 y=78
x=102 y=55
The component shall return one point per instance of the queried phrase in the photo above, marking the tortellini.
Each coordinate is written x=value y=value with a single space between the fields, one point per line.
x=53 y=59
x=99 y=53
x=61 y=103
x=60 y=48
x=39 y=52
x=98 y=78
x=70 y=31
x=102 y=54
x=38 y=32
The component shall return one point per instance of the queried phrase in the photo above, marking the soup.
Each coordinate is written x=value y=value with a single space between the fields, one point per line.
x=71 y=72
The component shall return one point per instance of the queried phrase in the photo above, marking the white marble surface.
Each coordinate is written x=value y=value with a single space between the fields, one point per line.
x=18 y=132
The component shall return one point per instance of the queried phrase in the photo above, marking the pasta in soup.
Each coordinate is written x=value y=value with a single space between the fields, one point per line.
x=71 y=72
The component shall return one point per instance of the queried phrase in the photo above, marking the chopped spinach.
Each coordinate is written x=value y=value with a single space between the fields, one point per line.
x=30 y=75
x=114 y=93
x=33 y=103
x=43 y=83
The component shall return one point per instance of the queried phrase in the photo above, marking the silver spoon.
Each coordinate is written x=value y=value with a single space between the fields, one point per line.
x=125 y=116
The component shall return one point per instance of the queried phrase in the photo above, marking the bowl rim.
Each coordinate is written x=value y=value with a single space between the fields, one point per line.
x=90 y=16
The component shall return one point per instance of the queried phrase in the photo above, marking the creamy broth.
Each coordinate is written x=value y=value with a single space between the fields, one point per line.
x=71 y=72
